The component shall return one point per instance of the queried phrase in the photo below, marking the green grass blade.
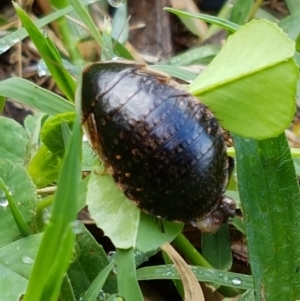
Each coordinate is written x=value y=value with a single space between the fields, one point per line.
x=241 y=11
x=184 y=246
x=293 y=6
x=270 y=197
x=96 y=286
x=128 y=286
x=20 y=221
x=120 y=25
x=216 y=248
x=69 y=38
x=176 y=72
x=225 y=24
x=54 y=281
x=200 y=54
x=50 y=55
x=87 y=20
x=203 y=274
x=58 y=230
x=11 y=39
x=30 y=94
x=246 y=296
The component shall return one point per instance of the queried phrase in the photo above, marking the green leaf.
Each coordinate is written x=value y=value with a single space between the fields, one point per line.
x=93 y=291
x=33 y=125
x=44 y=167
x=111 y=210
x=23 y=191
x=127 y=281
x=216 y=248
x=251 y=93
x=16 y=261
x=241 y=11
x=12 y=285
x=152 y=233
x=52 y=135
x=28 y=93
x=91 y=260
x=293 y=6
x=247 y=296
x=14 y=140
x=19 y=255
x=291 y=25
x=270 y=197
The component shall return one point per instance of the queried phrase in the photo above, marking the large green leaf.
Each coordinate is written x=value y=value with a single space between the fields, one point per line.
x=12 y=285
x=16 y=261
x=270 y=198
x=251 y=84
x=19 y=255
x=14 y=140
x=112 y=212
x=91 y=260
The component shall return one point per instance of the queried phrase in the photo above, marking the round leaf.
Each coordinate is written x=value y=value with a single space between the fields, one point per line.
x=251 y=84
x=14 y=140
x=112 y=212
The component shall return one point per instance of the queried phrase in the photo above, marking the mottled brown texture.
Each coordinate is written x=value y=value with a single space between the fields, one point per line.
x=163 y=147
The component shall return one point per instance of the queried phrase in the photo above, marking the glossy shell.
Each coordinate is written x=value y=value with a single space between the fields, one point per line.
x=163 y=147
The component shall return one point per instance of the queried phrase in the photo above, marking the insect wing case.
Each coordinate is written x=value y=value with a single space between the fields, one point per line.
x=163 y=147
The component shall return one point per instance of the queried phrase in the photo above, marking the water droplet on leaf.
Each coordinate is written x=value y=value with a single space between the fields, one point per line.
x=236 y=281
x=28 y=260
x=3 y=202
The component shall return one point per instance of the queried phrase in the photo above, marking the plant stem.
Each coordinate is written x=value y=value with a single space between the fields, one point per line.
x=182 y=244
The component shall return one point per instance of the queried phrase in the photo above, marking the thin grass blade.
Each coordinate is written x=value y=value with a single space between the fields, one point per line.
x=58 y=230
x=28 y=93
x=50 y=55
x=128 y=286
x=225 y=24
x=95 y=288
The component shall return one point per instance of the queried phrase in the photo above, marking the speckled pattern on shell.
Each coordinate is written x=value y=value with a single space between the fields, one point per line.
x=163 y=147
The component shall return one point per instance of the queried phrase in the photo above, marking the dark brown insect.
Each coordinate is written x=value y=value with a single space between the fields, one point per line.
x=162 y=146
